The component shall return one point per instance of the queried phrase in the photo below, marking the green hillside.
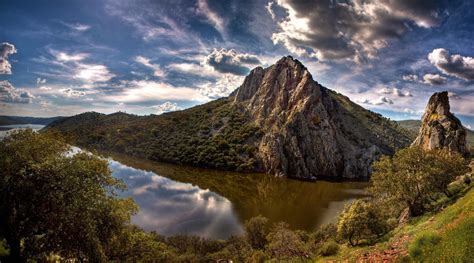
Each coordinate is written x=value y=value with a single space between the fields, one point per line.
x=10 y=120
x=446 y=235
x=214 y=135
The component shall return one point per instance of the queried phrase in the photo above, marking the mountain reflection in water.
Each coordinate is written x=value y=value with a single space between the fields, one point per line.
x=171 y=207
x=214 y=204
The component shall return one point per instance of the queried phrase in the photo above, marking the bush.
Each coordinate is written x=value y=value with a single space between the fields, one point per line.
x=325 y=232
x=361 y=220
x=423 y=243
x=285 y=244
x=258 y=256
x=329 y=248
x=256 y=232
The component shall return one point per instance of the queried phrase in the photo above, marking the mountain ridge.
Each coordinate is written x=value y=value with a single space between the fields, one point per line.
x=10 y=120
x=279 y=121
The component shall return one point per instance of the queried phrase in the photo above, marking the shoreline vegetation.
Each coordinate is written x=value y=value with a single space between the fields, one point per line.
x=57 y=207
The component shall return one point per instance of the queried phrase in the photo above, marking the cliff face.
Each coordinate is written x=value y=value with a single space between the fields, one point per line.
x=279 y=121
x=305 y=134
x=440 y=129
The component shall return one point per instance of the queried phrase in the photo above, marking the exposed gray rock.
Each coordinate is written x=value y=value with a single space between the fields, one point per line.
x=310 y=131
x=440 y=129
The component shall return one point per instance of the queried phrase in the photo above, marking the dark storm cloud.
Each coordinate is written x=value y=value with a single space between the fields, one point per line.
x=6 y=49
x=350 y=29
x=453 y=65
x=10 y=94
x=229 y=61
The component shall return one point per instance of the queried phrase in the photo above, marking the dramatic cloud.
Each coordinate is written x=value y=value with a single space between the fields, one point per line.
x=229 y=61
x=212 y=17
x=269 y=8
x=64 y=57
x=379 y=101
x=147 y=90
x=92 y=73
x=349 y=29
x=6 y=49
x=194 y=69
x=166 y=107
x=157 y=71
x=452 y=65
x=222 y=87
x=10 y=94
x=434 y=79
x=73 y=93
x=395 y=92
x=411 y=78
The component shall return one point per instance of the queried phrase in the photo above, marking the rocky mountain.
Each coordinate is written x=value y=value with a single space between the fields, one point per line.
x=440 y=129
x=279 y=121
x=414 y=127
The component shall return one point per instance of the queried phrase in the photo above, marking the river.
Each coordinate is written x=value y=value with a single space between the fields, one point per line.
x=215 y=204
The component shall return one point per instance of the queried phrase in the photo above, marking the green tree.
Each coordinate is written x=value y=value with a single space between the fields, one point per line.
x=256 y=231
x=361 y=220
x=53 y=202
x=285 y=244
x=412 y=176
x=133 y=244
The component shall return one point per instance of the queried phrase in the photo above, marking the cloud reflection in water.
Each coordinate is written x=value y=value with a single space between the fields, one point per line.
x=171 y=207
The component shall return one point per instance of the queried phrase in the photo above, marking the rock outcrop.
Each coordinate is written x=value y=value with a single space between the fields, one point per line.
x=279 y=121
x=310 y=131
x=440 y=129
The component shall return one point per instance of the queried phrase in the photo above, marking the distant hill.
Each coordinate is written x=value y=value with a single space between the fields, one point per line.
x=279 y=121
x=10 y=120
x=414 y=126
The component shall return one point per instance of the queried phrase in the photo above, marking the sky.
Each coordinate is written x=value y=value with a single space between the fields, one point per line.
x=149 y=57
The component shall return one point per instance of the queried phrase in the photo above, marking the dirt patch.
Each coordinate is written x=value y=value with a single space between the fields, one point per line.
x=396 y=250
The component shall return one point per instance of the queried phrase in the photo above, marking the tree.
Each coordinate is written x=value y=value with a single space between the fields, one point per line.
x=412 y=176
x=361 y=220
x=132 y=244
x=285 y=244
x=56 y=202
x=256 y=231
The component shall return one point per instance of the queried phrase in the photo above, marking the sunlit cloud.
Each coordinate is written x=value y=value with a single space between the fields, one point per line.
x=157 y=71
x=147 y=90
x=6 y=49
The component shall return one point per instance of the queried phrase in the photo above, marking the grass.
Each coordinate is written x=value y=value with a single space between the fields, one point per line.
x=447 y=236
x=443 y=236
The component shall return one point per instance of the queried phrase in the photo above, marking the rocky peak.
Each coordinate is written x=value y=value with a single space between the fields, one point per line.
x=286 y=71
x=440 y=129
x=305 y=128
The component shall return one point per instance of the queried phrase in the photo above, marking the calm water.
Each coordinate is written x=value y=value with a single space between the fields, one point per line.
x=5 y=129
x=214 y=204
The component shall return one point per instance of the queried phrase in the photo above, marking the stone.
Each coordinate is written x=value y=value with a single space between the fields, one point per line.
x=440 y=129
x=307 y=132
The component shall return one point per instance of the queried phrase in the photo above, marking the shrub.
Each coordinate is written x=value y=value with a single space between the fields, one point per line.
x=361 y=220
x=258 y=256
x=325 y=232
x=285 y=244
x=329 y=248
x=256 y=231
x=422 y=243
